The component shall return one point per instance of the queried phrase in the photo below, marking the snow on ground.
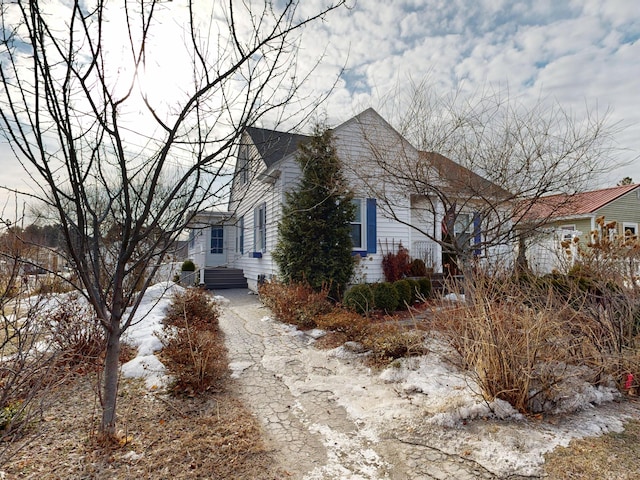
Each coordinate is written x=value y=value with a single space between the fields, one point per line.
x=143 y=332
x=427 y=390
x=429 y=395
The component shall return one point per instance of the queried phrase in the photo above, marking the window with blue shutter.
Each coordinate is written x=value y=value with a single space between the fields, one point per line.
x=357 y=225
x=364 y=227
x=240 y=236
x=260 y=229
x=477 y=234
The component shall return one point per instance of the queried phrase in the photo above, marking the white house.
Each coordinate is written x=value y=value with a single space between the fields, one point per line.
x=241 y=240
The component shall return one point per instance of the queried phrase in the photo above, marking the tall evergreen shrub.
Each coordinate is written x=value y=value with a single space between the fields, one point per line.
x=314 y=235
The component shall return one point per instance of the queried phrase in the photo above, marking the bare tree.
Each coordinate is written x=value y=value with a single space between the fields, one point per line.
x=121 y=163
x=481 y=167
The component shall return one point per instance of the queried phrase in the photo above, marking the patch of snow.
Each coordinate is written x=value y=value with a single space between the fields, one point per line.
x=454 y=297
x=149 y=368
x=238 y=367
x=143 y=334
x=132 y=456
x=348 y=457
x=316 y=333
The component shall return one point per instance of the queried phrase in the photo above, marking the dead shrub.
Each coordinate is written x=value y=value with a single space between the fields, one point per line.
x=388 y=341
x=525 y=342
x=193 y=346
x=75 y=334
x=295 y=303
x=52 y=284
x=27 y=370
x=351 y=324
x=195 y=304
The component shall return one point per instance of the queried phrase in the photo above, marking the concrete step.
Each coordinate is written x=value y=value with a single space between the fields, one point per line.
x=220 y=278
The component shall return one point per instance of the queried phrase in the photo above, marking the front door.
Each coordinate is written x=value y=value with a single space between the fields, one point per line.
x=216 y=255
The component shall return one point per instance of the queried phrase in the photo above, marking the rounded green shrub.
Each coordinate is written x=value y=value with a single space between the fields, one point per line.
x=425 y=287
x=188 y=266
x=403 y=289
x=415 y=289
x=385 y=297
x=417 y=268
x=359 y=298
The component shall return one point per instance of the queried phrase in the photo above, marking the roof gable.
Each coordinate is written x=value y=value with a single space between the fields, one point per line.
x=461 y=179
x=272 y=145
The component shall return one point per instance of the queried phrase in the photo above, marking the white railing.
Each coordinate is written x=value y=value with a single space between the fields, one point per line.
x=427 y=251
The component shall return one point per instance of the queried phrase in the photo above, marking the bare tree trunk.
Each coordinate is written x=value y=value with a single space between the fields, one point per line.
x=110 y=381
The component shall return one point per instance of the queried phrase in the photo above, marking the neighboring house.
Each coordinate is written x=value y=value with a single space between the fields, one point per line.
x=573 y=216
x=244 y=237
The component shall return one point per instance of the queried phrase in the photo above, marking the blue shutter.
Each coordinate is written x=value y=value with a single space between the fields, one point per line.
x=372 y=228
x=477 y=234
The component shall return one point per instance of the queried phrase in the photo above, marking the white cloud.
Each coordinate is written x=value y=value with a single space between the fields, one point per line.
x=580 y=53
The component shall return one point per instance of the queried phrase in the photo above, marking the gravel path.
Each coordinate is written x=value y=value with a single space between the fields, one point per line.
x=296 y=391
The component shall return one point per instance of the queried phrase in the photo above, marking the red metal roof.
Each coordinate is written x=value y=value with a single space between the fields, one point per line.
x=583 y=203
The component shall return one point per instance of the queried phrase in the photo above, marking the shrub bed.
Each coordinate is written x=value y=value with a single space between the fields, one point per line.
x=193 y=346
x=295 y=303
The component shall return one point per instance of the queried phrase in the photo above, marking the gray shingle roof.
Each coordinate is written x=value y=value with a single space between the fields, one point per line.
x=273 y=145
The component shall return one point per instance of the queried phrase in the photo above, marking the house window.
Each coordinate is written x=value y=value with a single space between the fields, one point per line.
x=568 y=232
x=629 y=228
x=466 y=228
x=358 y=226
x=260 y=228
x=217 y=239
x=192 y=238
x=364 y=226
x=240 y=236
x=462 y=225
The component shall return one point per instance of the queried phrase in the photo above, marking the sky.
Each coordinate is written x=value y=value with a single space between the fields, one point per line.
x=583 y=54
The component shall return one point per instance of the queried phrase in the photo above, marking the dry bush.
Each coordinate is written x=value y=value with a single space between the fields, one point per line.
x=28 y=372
x=193 y=346
x=526 y=340
x=388 y=341
x=75 y=334
x=196 y=305
x=351 y=324
x=295 y=303
x=48 y=284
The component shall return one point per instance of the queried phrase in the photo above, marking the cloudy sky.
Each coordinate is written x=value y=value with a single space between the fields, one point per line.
x=584 y=54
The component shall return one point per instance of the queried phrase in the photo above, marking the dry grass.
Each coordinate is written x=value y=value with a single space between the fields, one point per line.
x=615 y=456
x=207 y=434
x=213 y=437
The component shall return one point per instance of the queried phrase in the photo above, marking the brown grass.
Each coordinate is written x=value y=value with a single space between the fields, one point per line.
x=615 y=456
x=213 y=436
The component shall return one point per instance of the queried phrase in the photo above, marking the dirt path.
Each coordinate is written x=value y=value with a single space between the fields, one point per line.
x=296 y=391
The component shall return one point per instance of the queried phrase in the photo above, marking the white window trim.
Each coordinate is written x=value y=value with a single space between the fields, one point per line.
x=260 y=231
x=240 y=236
x=632 y=225
x=363 y=225
x=565 y=228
